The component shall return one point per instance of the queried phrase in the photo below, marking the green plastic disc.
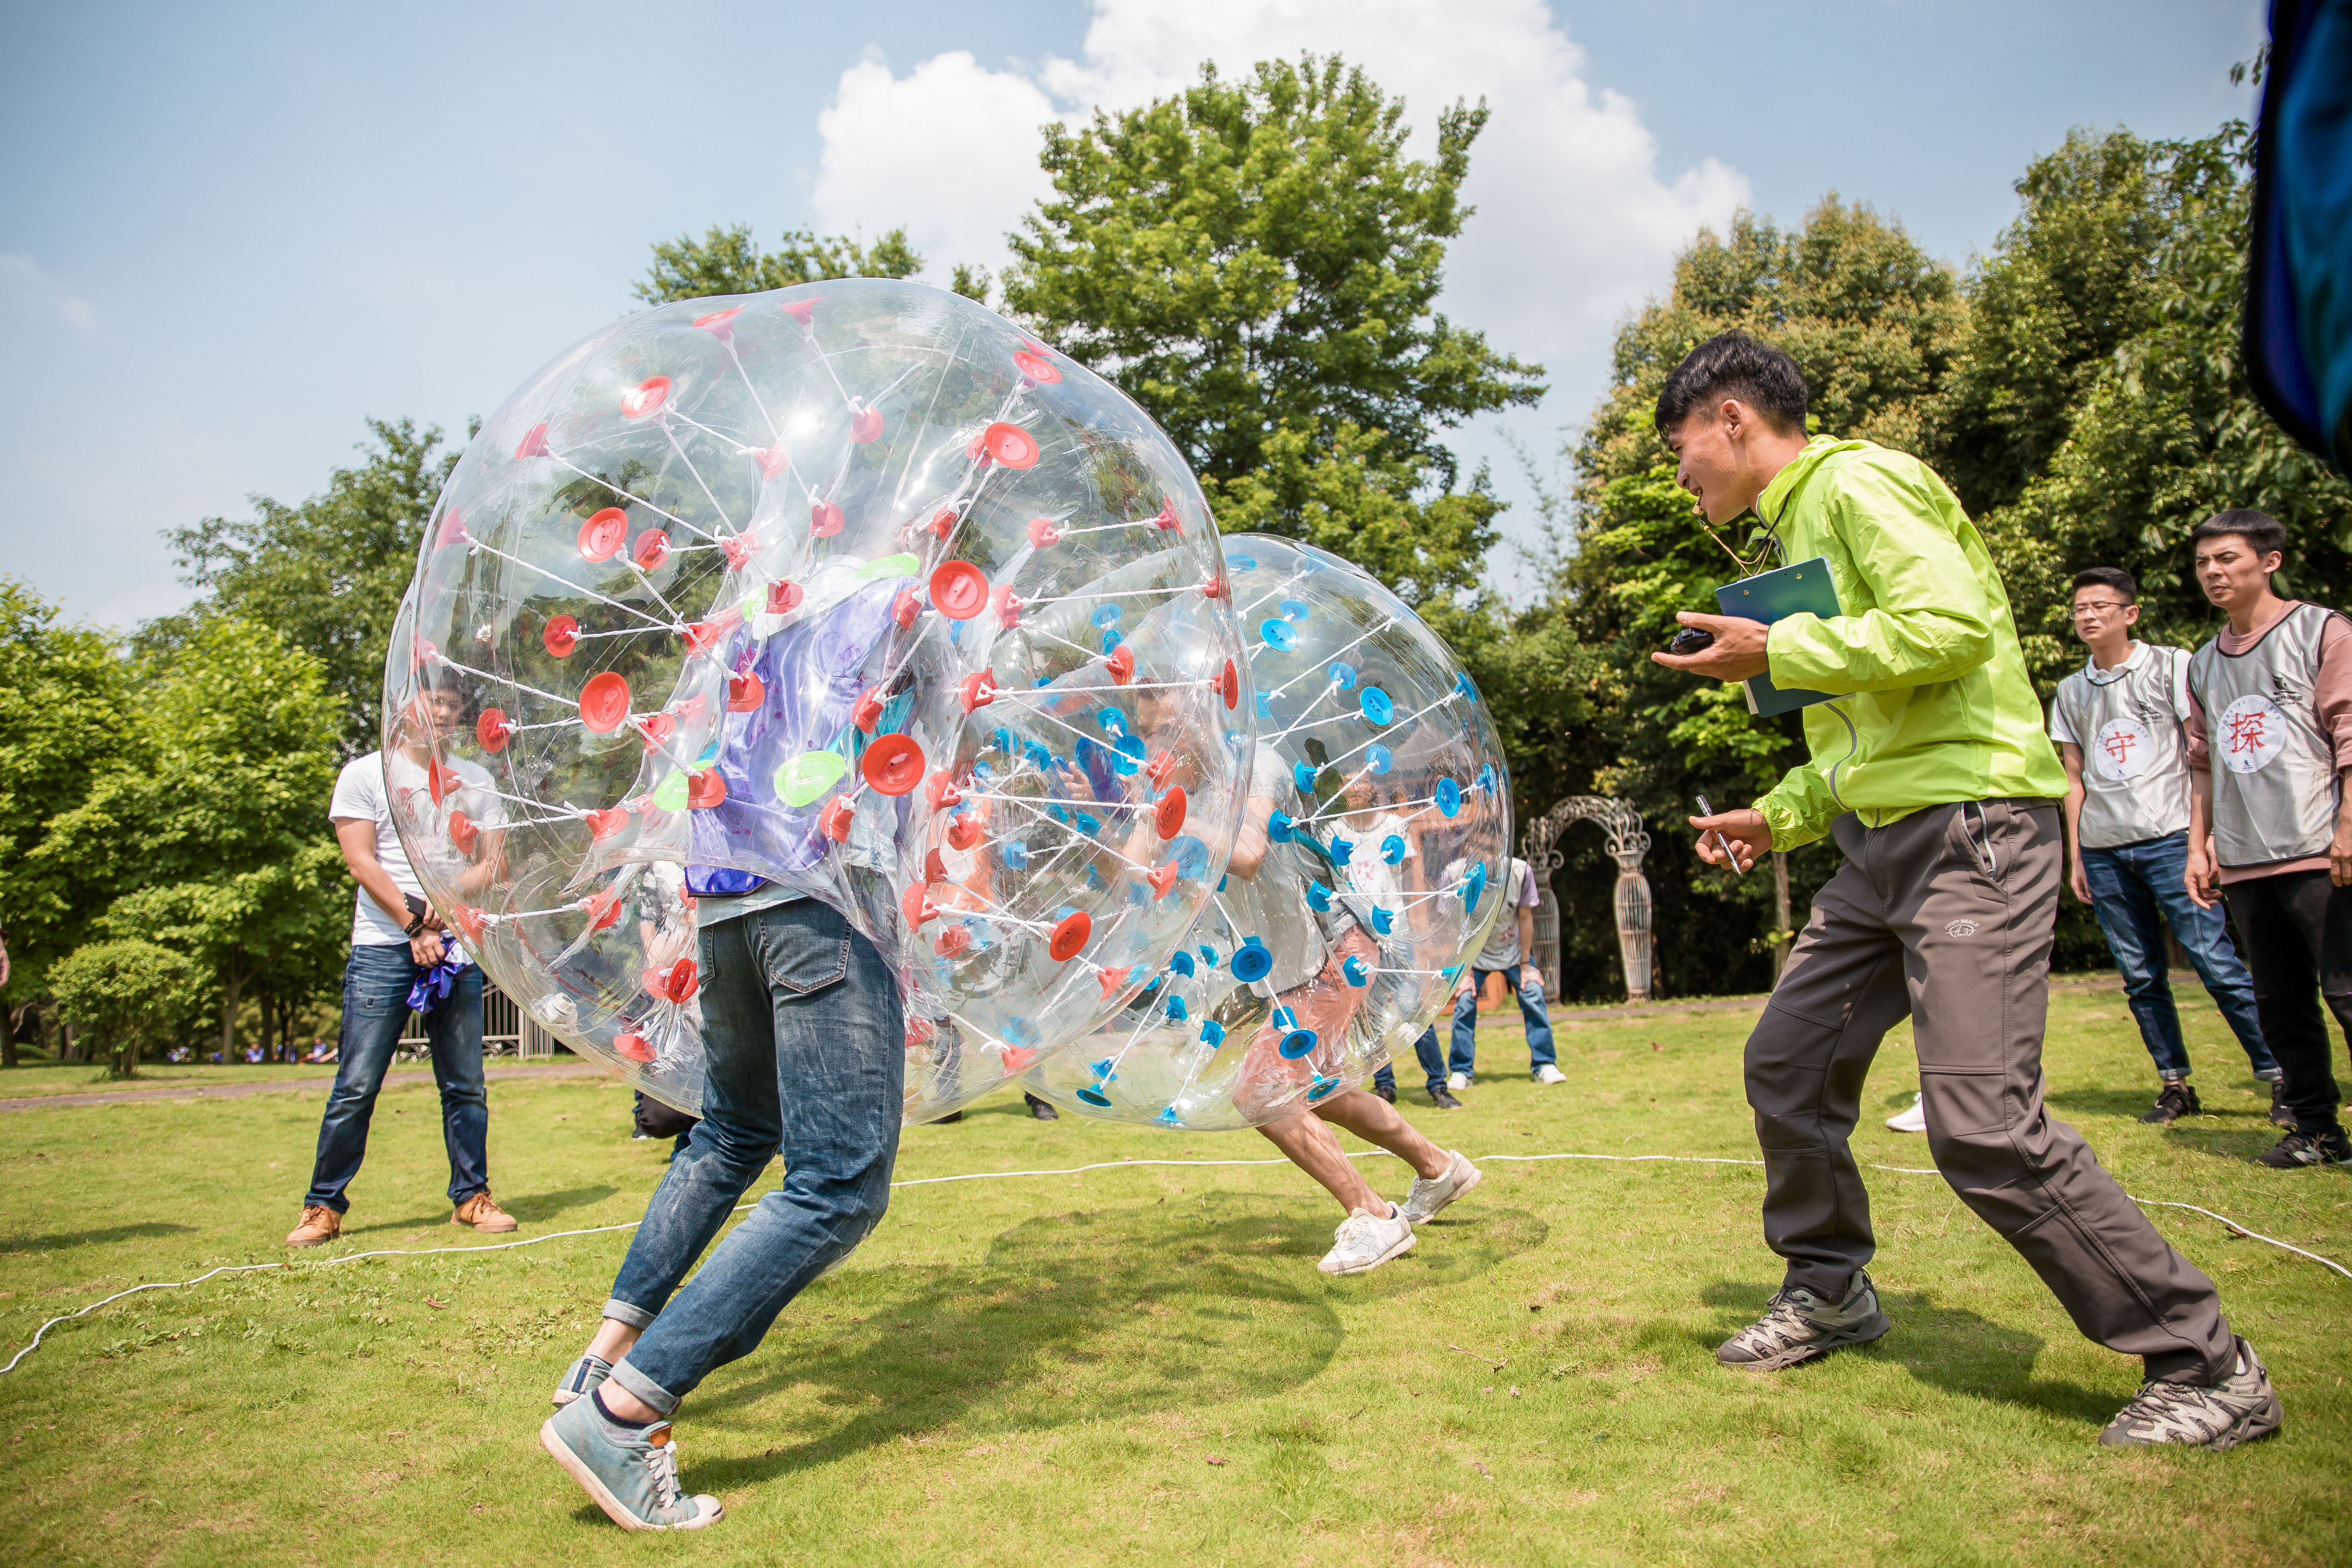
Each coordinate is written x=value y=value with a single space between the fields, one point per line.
x=670 y=794
x=805 y=777
x=889 y=566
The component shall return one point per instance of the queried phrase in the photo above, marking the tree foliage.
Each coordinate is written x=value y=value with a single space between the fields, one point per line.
x=127 y=995
x=730 y=261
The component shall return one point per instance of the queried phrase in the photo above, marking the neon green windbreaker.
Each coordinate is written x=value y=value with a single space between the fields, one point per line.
x=1925 y=660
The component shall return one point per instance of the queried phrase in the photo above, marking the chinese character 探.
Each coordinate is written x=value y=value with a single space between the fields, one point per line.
x=2246 y=731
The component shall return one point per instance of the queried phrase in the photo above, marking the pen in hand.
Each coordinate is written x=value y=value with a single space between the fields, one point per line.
x=1707 y=809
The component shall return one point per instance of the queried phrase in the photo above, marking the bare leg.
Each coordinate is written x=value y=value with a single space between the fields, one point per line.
x=1315 y=1149
x=613 y=1340
x=1377 y=1122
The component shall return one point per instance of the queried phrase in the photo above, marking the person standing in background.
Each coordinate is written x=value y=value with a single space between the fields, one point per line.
x=2120 y=724
x=2272 y=828
x=1510 y=951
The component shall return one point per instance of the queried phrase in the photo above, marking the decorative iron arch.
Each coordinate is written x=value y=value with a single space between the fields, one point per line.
x=1629 y=841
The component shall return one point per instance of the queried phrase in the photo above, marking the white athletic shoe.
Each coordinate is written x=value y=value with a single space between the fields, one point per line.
x=1914 y=1119
x=1549 y=1074
x=1457 y=1080
x=1366 y=1240
x=1431 y=1194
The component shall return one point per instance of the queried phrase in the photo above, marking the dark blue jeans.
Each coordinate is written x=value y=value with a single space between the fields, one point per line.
x=804 y=1052
x=1531 y=1008
x=375 y=1005
x=2129 y=886
x=1432 y=1064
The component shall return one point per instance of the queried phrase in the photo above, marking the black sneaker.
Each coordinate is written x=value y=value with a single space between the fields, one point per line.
x=1443 y=1097
x=2297 y=1150
x=951 y=1116
x=1043 y=1109
x=2280 y=1115
x=1386 y=1091
x=2177 y=1100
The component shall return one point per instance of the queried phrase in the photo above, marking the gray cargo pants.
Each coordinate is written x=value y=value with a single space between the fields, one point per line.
x=1945 y=916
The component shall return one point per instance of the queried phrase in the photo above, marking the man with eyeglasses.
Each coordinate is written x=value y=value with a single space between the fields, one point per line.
x=2121 y=725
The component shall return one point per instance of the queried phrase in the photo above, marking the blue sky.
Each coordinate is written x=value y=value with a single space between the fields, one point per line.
x=231 y=233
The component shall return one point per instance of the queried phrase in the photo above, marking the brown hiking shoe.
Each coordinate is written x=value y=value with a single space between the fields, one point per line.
x=481 y=1211
x=321 y=1225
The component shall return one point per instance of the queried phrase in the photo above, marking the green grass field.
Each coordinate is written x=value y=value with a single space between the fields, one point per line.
x=1142 y=1366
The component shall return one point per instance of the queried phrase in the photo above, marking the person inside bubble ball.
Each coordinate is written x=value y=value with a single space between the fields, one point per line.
x=1310 y=989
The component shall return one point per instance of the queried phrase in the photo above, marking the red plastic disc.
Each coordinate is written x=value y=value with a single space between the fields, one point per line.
x=700 y=634
x=604 y=909
x=533 y=443
x=893 y=764
x=784 y=598
x=865 y=425
x=1070 y=936
x=719 y=323
x=1168 y=815
x=1158 y=769
x=453 y=529
x=492 y=730
x=737 y=547
x=943 y=521
x=644 y=397
x=835 y=819
x=603 y=533
x=656 y=728
x=905 y=607
x=825 y=519
x=1114 y=981
x=705 y=789
x=1040 y=371
x=772 y=461
x=802 y=309
x=1168 y=520
x=963 y=833
x=1230 y=683
x=920 y=1030
x=916 y=904
x=958 y=590
x=1121 y=664
x=463 y=833
x=1010 y=444
x=935 y=868
x=470 y=920
x=604 y=704
x=941 y=790
x=651 y=550
x=1161 y=879
x=681 y=982
x=633 y=1047
x=439 y=781
x=952 y=940
x=979 y=690
x=1214 y=588
x=1041 y=533
x=1008 y=607
x=866 y=712
x=745 y=692
x=603 y=825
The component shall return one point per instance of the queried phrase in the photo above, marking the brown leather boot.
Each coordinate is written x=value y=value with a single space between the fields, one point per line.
x=321 y=1225
x=482 y=1212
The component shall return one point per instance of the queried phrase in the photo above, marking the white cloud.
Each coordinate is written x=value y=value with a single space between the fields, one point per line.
x=21 y=280
x=1575 y=223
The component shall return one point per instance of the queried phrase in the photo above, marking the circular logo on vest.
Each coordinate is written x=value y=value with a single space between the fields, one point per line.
x=2122 y=750
x=2251 y=731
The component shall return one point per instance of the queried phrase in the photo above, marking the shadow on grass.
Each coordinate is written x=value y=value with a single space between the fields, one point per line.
x=537 y=1209
x=1107 y=1313
x=145 y=1231
x=1950 y=1348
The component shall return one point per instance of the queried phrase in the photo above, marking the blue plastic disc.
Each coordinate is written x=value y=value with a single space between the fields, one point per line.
x=1474 y=887
x=1464 y=689
x=1093 y=1095
x=1208 y=955
x=1294 y=610
x=1100 y=1070
x=1212 y=1033
x=1265 y=705
x=1377 y=706
x=1278 y=826
x=1283 y=1018
x=1182 y=962
x=1090 y=825
x=1322 y=1085
x=1020 y=1032
x=1242 y=563
x=1192 y=857
x=1296 y=1044
x=1382 y=922
x=1111 y=639
x=1449 y=796
x=1176 y=1009
x=1112 y=720
x=1104 y=616
x=1485 y=782
x=1393 y=849
x=1357 y=972
x=1251 y=962
x=1342 y=674
x=1168 y=1118
x=1303 y=775
x=1378 y=758
x=1279 y=635
x=1317 y=896
x=1341 y=849
x=1014 y=854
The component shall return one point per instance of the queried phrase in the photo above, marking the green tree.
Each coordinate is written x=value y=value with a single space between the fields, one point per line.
x=1257 y=263
x=329 y=573
x=730 y=261
x=124 y=996
x=212 y=838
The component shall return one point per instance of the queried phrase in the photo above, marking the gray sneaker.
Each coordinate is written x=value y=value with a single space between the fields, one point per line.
x=1430 y=1194
x=581 y=1379
x=1798 y=1325
x=631 y=1474
x=2240 y=1408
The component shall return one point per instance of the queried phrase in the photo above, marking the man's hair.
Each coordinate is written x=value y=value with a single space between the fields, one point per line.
x=2260 y=530
x=2114 y=577
x=439 y=677
x=1733 y=364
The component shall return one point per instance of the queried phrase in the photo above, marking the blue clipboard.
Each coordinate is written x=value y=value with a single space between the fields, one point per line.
x=1804 y=588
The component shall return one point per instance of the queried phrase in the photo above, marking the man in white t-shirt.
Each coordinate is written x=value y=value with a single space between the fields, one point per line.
x=397 y=942
x=1509 y=953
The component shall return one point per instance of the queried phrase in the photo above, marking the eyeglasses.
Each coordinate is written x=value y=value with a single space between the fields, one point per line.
x=2097 y=607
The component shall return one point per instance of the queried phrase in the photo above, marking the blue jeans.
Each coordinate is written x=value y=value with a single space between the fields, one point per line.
x=804 y=1051
x=375 y=1005
x=2129 y=885
x=1432 y=1064
x=1531 y=1008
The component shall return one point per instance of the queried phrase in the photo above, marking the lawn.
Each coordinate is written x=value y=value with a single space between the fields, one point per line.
x=1142 y=1365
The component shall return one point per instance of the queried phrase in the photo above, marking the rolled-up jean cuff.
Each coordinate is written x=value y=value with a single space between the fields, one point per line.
x=644 y=1387
x=621 y=1312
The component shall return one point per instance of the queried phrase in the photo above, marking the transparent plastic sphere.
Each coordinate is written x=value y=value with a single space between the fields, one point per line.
x=853 y=590
x=1367 y=871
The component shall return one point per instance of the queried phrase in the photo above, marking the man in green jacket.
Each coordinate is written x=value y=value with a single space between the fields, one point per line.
x=1931 y=769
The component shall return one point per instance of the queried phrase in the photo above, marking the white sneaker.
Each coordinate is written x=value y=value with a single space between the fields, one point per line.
x=1457 y=1080
x=1549 y=1074
x=1431 y=1194
x=1366 y=1240
x=1914 y=1119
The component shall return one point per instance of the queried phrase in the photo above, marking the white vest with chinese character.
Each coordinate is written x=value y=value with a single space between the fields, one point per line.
x=2274 y=786
x=2135 y=751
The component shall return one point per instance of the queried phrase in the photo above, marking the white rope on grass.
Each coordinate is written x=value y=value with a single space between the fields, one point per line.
x=2233 y=1227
